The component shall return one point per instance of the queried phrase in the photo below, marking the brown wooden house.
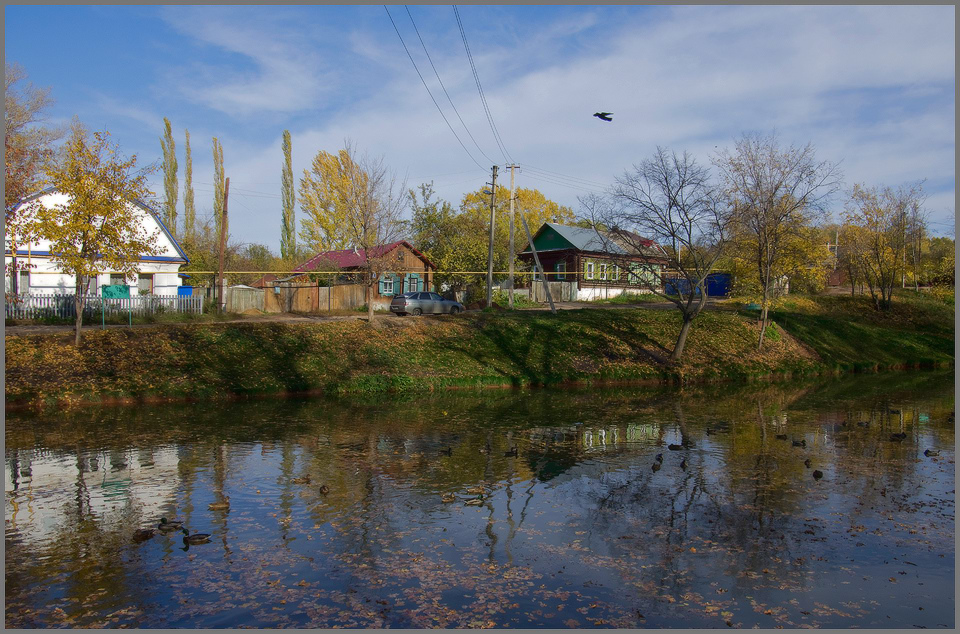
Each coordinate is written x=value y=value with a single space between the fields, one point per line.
x=411 y=271
x=599 y=265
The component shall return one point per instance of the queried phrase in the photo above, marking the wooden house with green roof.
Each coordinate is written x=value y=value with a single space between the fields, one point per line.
x=602 y=264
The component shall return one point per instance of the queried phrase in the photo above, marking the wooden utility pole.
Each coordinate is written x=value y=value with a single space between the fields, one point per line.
x=493 y=197
x=536 y=259
x=512 y=199
x=221 y=300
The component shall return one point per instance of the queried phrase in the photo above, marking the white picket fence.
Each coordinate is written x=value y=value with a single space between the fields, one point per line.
x=63 y=306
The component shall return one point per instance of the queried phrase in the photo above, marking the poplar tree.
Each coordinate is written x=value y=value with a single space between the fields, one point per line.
x=218 y=185
x=189 y=210
x=169 y=177
x=288 y=236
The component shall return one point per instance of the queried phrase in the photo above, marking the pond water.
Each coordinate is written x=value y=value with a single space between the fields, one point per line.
x=331 y=513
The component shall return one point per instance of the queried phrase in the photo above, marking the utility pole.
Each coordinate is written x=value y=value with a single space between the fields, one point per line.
x=493 y=196
x=221 y=299
x=536 y=260
x=512 y=200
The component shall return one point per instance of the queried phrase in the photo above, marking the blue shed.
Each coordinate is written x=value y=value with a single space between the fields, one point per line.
x=718 y=284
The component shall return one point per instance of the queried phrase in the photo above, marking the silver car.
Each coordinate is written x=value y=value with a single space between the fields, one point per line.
x=423 y=302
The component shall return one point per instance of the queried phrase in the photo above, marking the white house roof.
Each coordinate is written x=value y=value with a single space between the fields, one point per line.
x=168 y=248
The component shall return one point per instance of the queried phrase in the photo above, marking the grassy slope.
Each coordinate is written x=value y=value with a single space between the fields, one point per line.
x=849 y=334
x=210 y=360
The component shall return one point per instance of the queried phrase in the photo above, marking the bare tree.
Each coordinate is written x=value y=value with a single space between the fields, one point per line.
x=916 y=226
x=373 y=219
x=879 y=219
x=665 y=209
x=772 y=191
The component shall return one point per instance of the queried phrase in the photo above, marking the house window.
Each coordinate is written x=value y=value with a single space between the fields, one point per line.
x=117 y=279
x=24 y=286
x=145 y=284
x=616 y=273
x=589 y=270
x=413 y=283
x=91 y=287
x=561 y=269
x=603 y=271
x=387 y=285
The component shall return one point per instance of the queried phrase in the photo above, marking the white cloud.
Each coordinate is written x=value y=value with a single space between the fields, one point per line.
x=286 y=73
x=685 y=78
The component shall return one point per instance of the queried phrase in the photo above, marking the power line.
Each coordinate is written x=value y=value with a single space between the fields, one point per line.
x=428 y=89
x=483 y=99
x=552 y=181
x=565 y=176
x=430 y=59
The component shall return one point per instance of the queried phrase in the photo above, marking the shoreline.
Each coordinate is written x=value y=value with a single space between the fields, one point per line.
x=773 y=378
x=519 y=350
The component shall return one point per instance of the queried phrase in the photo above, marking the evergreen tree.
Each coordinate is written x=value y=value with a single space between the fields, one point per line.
x=288 y=235
x=189 y=210
x=169 y=177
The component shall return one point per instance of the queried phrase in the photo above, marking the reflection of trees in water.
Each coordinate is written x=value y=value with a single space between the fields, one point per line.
x=743 y=488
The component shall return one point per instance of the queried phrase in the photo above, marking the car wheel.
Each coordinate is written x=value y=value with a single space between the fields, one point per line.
x=454 y=310
x=417 y=312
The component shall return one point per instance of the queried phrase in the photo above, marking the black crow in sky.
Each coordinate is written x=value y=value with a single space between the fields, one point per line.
x=603 y=115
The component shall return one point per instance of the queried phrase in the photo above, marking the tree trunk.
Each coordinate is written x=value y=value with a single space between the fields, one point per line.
x=682 y=339
x=78 y=305
x=370 y=284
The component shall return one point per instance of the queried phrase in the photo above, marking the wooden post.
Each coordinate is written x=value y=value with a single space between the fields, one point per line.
x=221 y=300
x=536 y=259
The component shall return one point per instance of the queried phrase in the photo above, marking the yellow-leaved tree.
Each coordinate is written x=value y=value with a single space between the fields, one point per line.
x=98 y=228
x=880 y=216
x=802 y=261
x=327 y=192
x=457 y=241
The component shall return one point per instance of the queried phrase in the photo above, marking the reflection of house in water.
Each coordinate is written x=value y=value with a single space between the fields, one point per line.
x=555 y=450
x=47 y=489
x=645 y=431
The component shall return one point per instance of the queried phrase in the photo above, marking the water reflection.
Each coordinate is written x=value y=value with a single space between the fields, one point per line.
x=518 y=509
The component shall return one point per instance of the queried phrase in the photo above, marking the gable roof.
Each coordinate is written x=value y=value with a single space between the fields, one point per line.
x=620 y=241
x=354 y=258
x=136 y=202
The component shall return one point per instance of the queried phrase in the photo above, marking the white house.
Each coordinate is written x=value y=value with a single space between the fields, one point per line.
x=158 y=273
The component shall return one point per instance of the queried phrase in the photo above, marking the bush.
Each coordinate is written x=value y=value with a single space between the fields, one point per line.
x=519 y=301
x=630 y=298
x=945 y=294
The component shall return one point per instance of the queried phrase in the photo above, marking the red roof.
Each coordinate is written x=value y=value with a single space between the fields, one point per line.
x=351 y=258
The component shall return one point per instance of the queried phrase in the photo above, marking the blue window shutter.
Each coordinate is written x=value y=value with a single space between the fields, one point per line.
x=380 y=288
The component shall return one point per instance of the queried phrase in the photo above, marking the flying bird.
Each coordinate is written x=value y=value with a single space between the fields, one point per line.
x=603 y=115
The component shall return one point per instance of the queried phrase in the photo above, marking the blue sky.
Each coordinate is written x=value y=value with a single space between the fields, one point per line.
x=870 y=87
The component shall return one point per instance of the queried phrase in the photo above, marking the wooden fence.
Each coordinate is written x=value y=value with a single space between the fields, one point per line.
x=241 y=299
x=560 y=291
x=64 y=306
x=312 y=299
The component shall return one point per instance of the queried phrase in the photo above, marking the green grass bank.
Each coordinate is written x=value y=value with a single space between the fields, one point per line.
x=210 y=360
